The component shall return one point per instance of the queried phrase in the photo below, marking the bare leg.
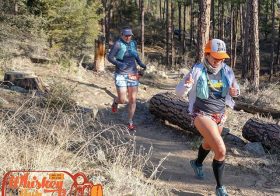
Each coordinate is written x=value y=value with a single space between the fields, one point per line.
x=122 y=95
x=211 y=134
x=132 y=93
x=205 y=145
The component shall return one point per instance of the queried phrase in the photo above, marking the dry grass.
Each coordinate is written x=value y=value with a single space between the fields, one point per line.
x=268 y=95
x=51 y=139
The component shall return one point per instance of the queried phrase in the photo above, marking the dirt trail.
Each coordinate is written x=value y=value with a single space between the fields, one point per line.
x=241 y=178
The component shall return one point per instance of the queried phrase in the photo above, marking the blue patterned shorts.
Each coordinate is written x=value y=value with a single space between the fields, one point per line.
x=126 y=80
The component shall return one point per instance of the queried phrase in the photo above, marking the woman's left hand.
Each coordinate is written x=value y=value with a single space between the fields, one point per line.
x=233 y=91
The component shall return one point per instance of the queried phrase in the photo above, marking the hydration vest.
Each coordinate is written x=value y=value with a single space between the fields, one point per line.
x=130 y=47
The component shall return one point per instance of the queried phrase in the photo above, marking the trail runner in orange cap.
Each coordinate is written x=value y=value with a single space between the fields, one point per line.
x=210 y=86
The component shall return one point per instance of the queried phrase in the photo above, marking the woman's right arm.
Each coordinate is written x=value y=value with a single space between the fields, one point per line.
x=185 y=84
x=112 y=56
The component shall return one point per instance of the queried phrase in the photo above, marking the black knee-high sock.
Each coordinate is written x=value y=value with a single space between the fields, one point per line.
x=218 y=169
x=202 y=153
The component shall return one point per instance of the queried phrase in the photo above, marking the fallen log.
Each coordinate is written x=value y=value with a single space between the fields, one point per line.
x=240 y=105
x=40 y=59
x=256 y=130
x=168 y=106
x=174 y=109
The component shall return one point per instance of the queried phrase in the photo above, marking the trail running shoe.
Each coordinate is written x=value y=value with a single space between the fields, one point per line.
x=114 y=107
x=221 y=191
x=131 y=127
x=197 y=170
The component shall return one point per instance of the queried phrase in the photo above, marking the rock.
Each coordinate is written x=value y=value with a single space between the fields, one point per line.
x=225 y=131
x=233 y=139
x=19 y=89
x=255 y=148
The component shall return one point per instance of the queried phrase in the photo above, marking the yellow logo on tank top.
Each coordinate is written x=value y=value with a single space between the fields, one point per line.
x=218 y=84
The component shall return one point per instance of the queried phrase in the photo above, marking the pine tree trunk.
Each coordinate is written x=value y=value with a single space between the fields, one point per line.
x=142 y=28
x=222 y=21
x=184 y=27
x=235 y=37
x=268 y=134
x=266 y=18
x=168 y=33
x=278 y=46
x=180 y=19
x=107 y=18
x=219 y=18
x=164 y=10
x=204 y=26
x=213 y=19
x=160 y=14
x=255 y=62
x=192 y=22
x=241 y=25
x=221 y=11
x=172 y=34
x=120 y=13
x=231 y=33
x=247 y=35
x=272 y=41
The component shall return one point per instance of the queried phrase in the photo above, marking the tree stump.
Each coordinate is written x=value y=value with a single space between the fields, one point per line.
x=99 y=58
x=256 y=130
x=25 y=80
x=168 y=106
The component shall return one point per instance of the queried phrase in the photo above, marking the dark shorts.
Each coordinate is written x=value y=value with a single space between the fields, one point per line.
x=218 y=118
x=126 y=80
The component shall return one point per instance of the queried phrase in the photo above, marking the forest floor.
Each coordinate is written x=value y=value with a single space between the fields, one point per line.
x=246 y=174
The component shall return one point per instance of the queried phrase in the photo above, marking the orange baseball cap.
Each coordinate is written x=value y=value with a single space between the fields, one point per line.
x=217 y=49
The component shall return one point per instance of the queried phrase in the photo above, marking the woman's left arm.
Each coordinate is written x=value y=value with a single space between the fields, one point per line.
x=136 y=56
x=140 y=63
x=234 y=89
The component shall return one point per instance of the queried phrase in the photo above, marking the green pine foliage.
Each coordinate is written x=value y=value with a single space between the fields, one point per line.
x=72 y=25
